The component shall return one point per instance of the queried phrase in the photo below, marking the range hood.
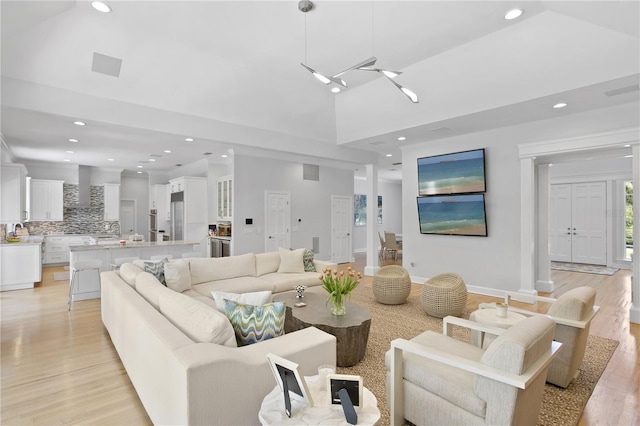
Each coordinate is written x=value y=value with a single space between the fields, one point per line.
x=84 y=188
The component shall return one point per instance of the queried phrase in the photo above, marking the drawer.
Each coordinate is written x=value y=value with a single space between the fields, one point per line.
x=55 y=248
x=52 y=240
x=56 y=258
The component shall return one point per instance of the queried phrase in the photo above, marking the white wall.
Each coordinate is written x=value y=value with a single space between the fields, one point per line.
x=391 y=193
x=310 y=202
x=137 y=188
x=491 y=263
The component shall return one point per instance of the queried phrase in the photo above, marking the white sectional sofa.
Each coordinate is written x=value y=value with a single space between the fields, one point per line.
x=162 y=334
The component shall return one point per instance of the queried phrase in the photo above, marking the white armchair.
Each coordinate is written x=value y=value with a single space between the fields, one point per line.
x=572 y=313
x=436 y=379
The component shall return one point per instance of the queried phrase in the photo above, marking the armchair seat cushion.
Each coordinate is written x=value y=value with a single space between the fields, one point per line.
x=452 y=384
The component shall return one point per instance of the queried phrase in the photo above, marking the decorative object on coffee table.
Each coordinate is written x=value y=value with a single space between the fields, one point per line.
x=391 y=285
x=300 y=290
x=444 y=294
x=339 y=285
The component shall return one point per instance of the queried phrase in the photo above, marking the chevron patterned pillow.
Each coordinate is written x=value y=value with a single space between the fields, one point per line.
x=253 y=324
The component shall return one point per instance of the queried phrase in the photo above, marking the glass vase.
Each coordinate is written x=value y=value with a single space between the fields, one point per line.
x=337 y=305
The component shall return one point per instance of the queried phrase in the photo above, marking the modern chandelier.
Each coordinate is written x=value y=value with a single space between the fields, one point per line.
x=367 y=65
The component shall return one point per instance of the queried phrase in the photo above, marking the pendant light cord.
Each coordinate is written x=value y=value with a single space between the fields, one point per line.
x=305 y=38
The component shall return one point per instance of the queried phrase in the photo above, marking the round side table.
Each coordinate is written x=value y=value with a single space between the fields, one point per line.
x=487 y=316
x=322 y=412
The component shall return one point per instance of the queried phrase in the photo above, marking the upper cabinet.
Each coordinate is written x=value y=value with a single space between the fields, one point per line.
x=177 y=185
x=193 y=208
x=111 y=202
x=13 y=205
x=46 y=200
x=159 y=200
x=225 y=198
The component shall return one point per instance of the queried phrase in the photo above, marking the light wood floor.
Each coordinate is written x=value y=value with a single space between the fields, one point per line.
x=60 y=368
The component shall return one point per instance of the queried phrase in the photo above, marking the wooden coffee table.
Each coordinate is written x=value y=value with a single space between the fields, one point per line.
x=351 y=330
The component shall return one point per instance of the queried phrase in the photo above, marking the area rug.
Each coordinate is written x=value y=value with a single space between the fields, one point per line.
x=388 y=322
x=61 y=276
x=584 y=268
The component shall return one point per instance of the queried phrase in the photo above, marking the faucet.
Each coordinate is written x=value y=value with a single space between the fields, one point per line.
x=15 y=225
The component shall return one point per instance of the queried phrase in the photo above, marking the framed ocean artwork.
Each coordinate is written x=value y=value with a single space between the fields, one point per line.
x=456 y=173
x=463 y=214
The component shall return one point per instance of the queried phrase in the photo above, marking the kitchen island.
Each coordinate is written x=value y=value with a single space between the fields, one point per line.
x=88 y=285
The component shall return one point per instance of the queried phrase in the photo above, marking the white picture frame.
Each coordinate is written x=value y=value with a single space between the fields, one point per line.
x=353 y=385
x=298 y=388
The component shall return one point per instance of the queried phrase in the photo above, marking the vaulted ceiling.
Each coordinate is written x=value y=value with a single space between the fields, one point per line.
x=227 y=74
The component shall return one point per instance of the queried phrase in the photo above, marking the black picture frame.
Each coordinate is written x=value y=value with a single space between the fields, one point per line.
x=352 y=384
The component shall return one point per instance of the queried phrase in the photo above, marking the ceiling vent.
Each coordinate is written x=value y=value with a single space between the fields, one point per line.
x=396 y=164
x=310 y=172
x=106 y=65
x=620 y=91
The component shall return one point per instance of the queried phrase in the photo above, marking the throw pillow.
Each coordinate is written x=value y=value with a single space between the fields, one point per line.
x=253 y=324
x=307 y=260
x=256 y=298
x=156 y=268
x=291 y=261
x=177 y=275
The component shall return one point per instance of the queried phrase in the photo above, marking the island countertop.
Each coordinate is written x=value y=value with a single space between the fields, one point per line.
x=130 y=244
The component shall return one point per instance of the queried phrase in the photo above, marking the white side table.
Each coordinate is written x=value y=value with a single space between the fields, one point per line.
x=322 y=412
x=487 y=316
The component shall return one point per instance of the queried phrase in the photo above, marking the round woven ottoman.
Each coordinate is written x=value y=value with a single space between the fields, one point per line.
x=444 y=294
x=391 y=285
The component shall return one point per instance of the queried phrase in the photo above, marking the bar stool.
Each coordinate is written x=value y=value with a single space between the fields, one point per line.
x=79 y=266
x=162 y=257
x=118 y=261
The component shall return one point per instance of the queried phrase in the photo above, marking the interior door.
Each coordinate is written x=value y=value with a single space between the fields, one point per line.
x=578 y=223
x=277 y=218
x=341 y=228
x=127 y=218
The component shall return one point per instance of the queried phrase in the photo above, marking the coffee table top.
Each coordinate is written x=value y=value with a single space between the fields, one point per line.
x=317 y=311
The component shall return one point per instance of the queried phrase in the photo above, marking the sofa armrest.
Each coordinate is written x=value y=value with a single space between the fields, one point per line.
x=321 y=264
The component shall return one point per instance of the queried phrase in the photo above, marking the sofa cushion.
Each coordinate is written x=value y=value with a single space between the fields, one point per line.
x=291 y=261
x=286 y=282
x=200 y=322
x=253 y=324
x=177 y=275
x=128 y=272
x=233 y=285
x=205 y=269
x=267 y=263
x=256 y=298
x=307 y=260
x=150 y=288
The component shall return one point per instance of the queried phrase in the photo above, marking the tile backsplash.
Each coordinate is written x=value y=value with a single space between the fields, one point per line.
x=86 y=220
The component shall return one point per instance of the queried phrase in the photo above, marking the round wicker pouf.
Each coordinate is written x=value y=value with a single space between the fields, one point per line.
x=391 y=285
x=444 y=294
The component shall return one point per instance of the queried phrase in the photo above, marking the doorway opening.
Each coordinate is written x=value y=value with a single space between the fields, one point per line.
x=628 y=220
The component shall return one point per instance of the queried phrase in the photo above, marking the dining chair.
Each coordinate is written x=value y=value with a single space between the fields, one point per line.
x=391 y=245
x=381 y=254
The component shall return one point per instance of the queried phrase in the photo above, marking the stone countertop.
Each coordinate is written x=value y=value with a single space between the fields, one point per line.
x=131 y=244
x=22 y=243
x=220 y=238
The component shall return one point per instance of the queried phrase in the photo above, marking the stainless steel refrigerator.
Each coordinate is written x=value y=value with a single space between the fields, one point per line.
x=177 y=216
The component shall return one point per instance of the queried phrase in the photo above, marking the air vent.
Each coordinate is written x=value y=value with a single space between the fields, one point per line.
x=396 y=164
x=155 y=156
x=207 y=153
x=376 y=143
x=310 y=172
x=620 y=91
x=106 y=65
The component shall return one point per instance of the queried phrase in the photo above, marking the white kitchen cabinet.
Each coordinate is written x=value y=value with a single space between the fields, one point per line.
x=46 y=200
x=20 y=265
x=225 y=198
x=13 y=205
x=159 y=200
x=167 y=200
x=177 y=184
x=111 y=202
x=195 y=208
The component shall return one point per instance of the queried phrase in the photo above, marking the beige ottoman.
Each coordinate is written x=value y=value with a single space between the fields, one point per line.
x=444 y=294
x=391 y=285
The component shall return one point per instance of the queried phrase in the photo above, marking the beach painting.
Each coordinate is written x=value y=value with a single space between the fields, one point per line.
x=452 y=173
x=453 y=215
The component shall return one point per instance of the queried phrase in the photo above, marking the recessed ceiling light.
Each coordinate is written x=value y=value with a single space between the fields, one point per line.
x=101 y=7
x=627 y=145
x=513 y=14
x=79 y=123
x=152 y=159
x=189 y=139
x=560 y=105
x=224 y=156
x=628 y=156
x=69 y=152
x=139 y=167
x=67 y=160
x=335 y=90
x=389 y=155
x=110 y=159
x=73 y=140
x=168 y=151
x=139 y=172
x=402 y=138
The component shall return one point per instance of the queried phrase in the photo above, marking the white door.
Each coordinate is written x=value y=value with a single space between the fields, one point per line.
x=277 y=213
x=127 y=218
x=560 y=223
x=341 y=227
x=578 y=223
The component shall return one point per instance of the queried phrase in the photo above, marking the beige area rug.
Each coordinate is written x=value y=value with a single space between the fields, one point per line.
x=388 y=322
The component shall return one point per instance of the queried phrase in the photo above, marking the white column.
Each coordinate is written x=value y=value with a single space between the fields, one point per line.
x=634 y=312
x=527 y=236
x=372 y=220
x=543 y=262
